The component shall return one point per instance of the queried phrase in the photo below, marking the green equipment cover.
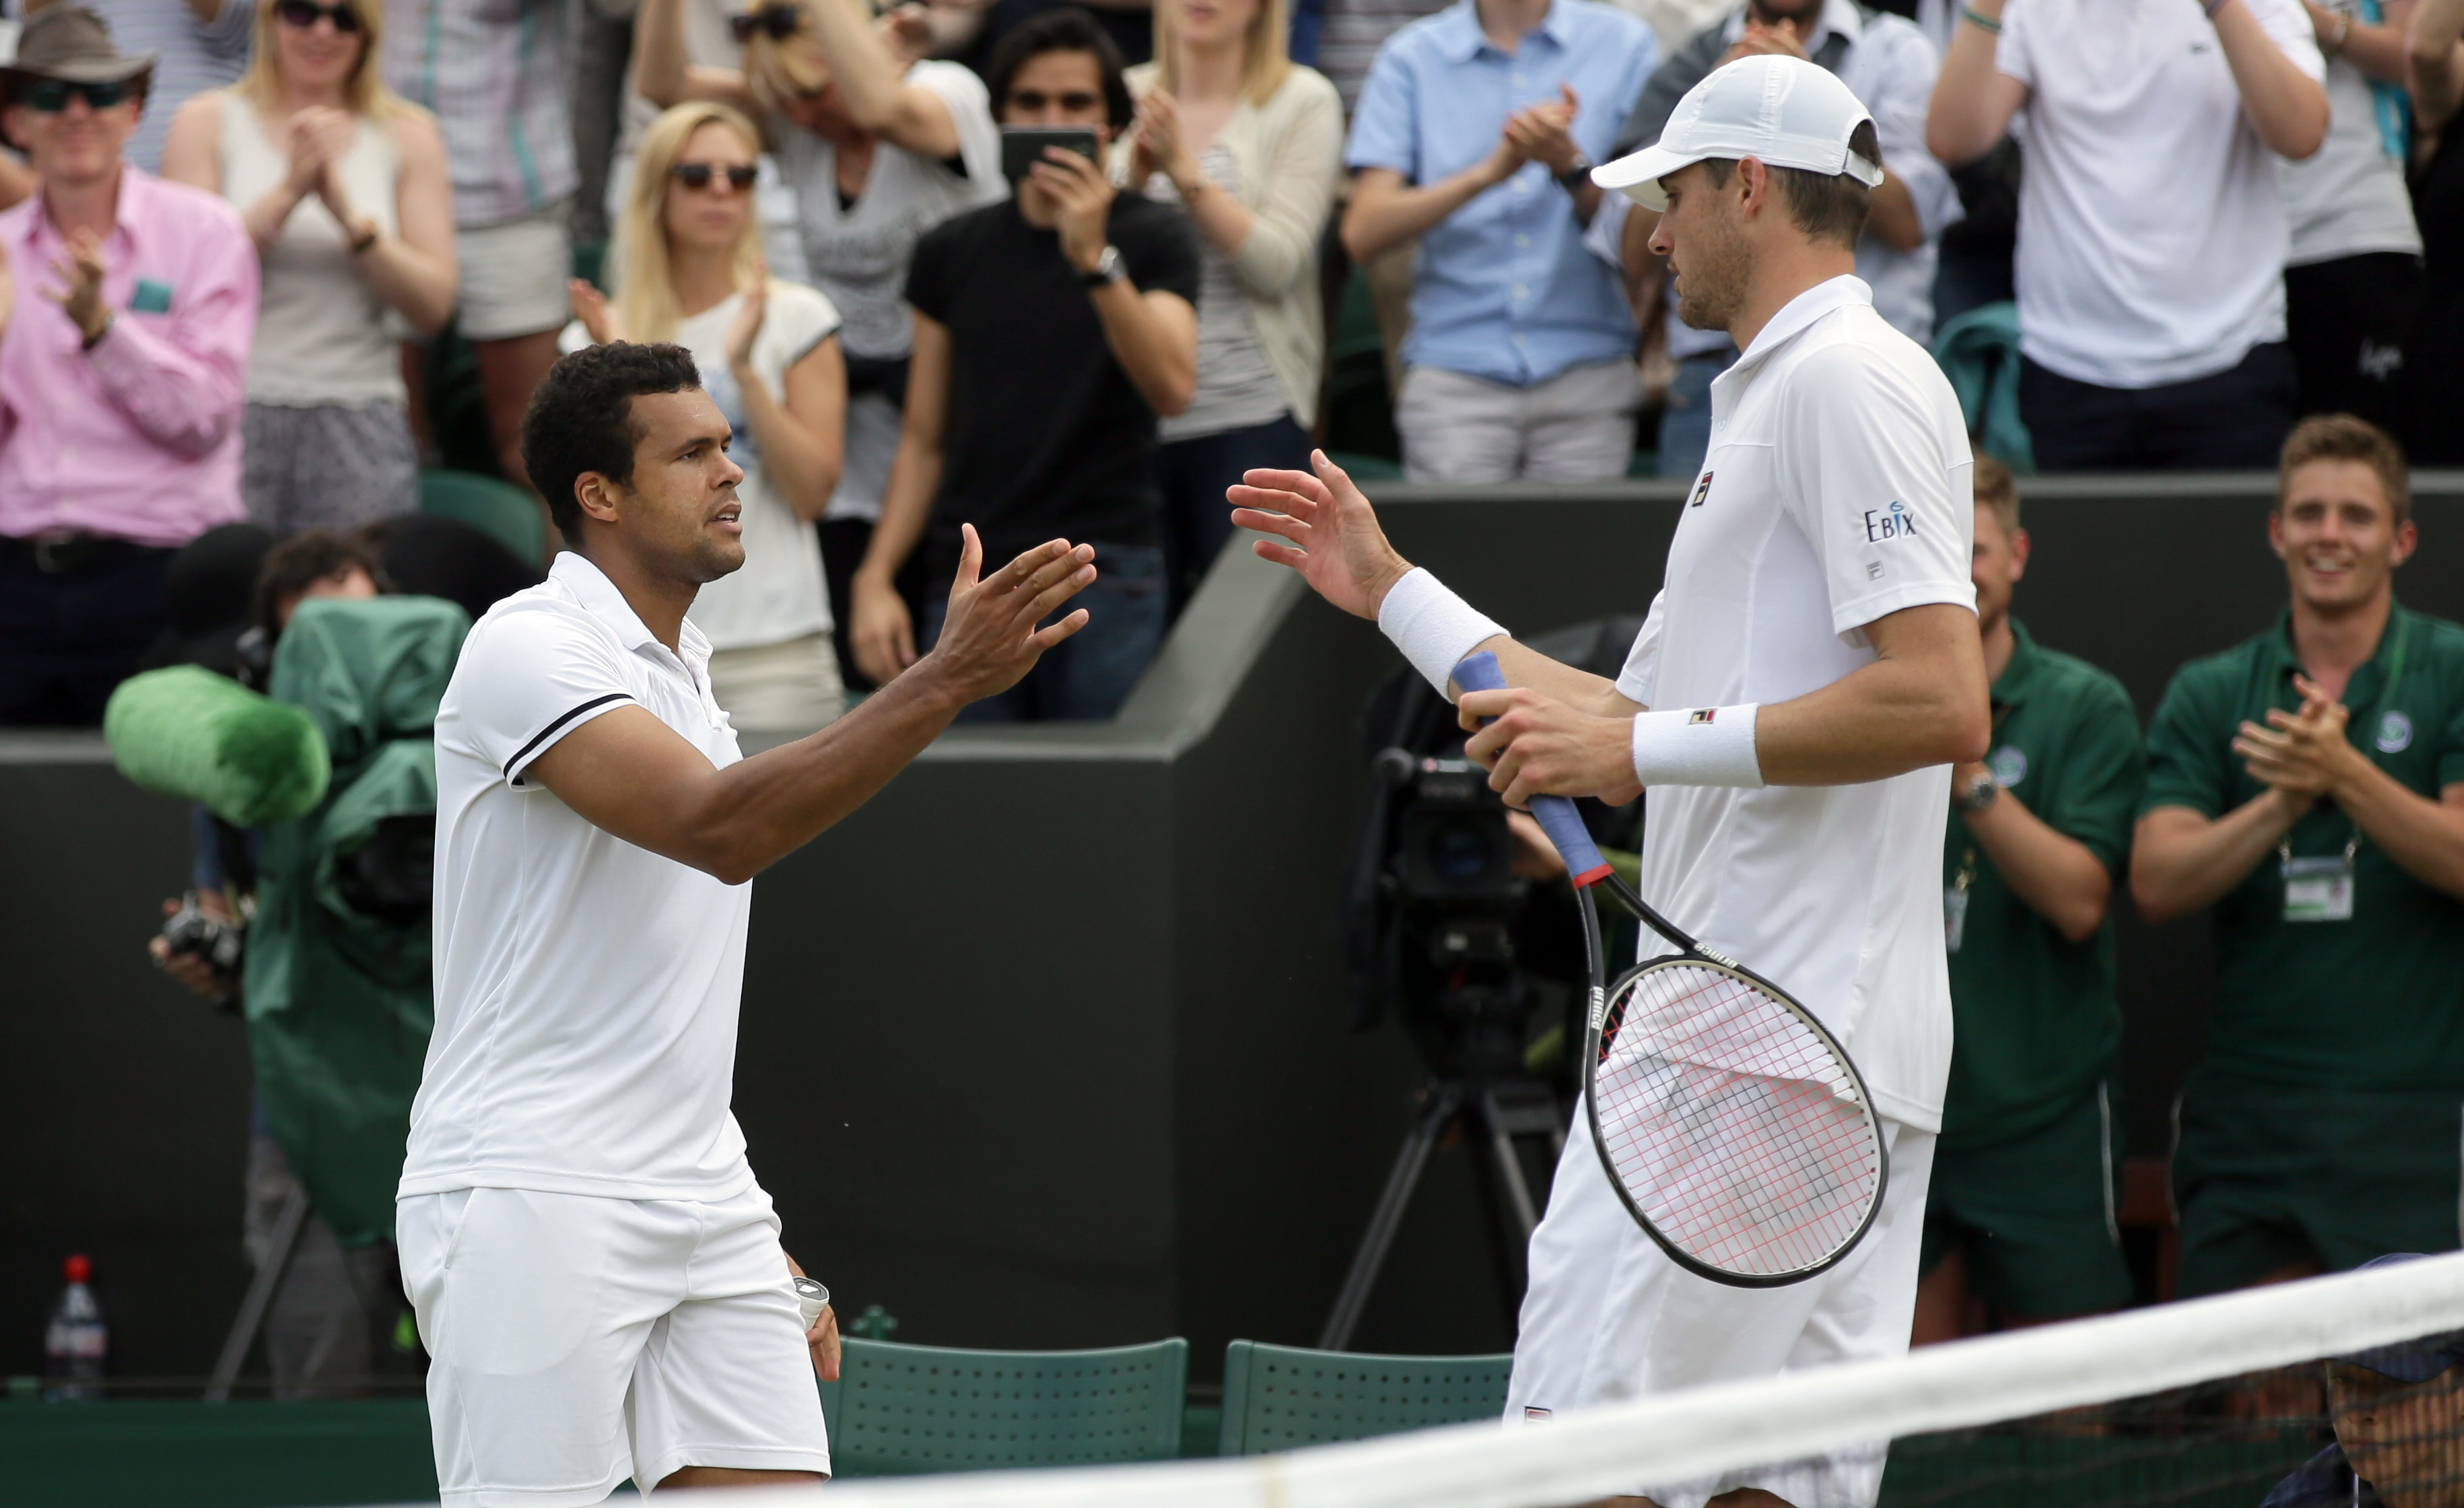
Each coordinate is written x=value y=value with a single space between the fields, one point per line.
x=187 y=732
x=338 y=993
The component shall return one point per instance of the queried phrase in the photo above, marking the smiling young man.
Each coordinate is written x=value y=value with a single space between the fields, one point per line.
x=597 y=1275
x=2308 y=784
x=1809 y=666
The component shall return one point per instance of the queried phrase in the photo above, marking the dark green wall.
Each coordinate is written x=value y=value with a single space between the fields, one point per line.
x=1044 y=1046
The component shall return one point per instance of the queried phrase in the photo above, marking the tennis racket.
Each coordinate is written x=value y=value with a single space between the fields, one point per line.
x=1732 y=1124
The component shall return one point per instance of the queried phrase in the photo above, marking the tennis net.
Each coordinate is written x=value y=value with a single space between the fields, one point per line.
x=2215 y=1401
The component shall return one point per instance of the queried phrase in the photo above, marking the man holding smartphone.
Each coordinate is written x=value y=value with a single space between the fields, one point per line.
x=1050 y=331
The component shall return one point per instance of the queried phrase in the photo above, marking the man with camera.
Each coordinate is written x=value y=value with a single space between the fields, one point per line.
x=1812 y=662
x=1050 y=330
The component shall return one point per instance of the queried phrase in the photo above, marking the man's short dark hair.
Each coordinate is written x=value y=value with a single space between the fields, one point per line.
x=582 y=419
x=1067 y=30
x=2346 y=437
x=1827 y=207
x=302 y=562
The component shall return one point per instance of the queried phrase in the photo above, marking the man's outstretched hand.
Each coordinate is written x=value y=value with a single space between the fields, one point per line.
x=1335 y=543
x=989 y=639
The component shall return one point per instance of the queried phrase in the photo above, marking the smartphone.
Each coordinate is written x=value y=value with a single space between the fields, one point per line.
x=1023 y=145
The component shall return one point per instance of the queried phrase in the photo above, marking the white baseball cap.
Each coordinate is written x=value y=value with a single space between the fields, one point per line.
x=1785 y=112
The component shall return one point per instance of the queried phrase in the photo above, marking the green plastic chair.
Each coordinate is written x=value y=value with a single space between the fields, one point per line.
x=502 y=510
x=1281 y=1397
x=900 y=1409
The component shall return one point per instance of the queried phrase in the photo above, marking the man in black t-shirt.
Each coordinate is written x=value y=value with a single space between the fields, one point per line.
x=1050 y=330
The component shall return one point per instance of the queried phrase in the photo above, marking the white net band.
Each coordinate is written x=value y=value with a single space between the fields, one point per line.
x=1579 y=1457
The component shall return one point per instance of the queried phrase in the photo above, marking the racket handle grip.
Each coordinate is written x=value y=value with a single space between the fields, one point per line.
x=1556 y=814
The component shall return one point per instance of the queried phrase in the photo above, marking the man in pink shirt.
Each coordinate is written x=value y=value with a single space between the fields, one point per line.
x=127 y=305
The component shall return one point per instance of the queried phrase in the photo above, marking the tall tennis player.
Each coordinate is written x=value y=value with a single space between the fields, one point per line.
x=1806 y=676
x=597 y=1275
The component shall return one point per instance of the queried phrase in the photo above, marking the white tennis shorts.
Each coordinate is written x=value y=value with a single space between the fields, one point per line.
x=575 y=1342
x=1608 y=1318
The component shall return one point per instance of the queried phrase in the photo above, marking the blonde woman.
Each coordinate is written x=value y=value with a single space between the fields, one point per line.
x=879 y=149
x=344 y=189
x=689 y=254
x=1251 y=144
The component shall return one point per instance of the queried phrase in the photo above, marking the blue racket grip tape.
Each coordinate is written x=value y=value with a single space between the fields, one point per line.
x=1556 y=814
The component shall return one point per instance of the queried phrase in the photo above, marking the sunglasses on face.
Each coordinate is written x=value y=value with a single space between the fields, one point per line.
x=740 y=176
x=305 y=13
x=780 y=21
x=1027 y=101
x=51 y=96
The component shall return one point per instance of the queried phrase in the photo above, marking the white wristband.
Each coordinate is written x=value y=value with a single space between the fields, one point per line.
x=1698 y=746
x=1433 y=627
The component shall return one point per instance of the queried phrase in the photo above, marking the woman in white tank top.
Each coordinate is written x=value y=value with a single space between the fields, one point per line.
x=344 y=189
x=689 y=269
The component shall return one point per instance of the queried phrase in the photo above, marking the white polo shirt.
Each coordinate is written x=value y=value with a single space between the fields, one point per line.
x=1837 y=491
x=2151 y=229
x=586 y=989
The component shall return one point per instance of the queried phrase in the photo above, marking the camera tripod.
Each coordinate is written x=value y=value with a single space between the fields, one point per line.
x=1500 y=1110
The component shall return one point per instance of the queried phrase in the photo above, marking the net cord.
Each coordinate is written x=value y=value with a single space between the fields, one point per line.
x=1580 y=1456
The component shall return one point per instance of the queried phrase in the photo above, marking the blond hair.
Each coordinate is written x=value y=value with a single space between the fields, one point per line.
x=1265 y=55
x=646 y=290
x=1997 y=491
x=364 y=94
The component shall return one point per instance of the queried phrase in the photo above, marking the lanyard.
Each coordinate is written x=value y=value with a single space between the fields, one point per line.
x=2378 y=706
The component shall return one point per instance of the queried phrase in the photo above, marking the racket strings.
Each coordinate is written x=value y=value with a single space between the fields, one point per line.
x=1733 y=1125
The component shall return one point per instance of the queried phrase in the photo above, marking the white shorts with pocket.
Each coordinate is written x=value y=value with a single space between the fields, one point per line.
x=1609 y=1318
x=577 y=1341
x=515 y=275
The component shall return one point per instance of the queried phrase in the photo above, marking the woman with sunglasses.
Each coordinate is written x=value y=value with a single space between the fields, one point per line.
x=879 y=150
x=1249 y=143
x=689 y=269
x=343 y=187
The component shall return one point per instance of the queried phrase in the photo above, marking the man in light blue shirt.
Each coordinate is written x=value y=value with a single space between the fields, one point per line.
x=1475 y=132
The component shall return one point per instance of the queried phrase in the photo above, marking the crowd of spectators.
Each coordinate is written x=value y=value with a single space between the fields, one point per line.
x=2171 y=230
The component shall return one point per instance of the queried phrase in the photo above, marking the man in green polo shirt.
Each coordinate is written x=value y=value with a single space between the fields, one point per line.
x=2021 y=1207
x=2308 y=785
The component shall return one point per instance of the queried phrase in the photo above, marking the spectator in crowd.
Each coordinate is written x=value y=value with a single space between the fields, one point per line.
x=2435 y=359
x=125 y=306
x=344 y=188
x=2151 y=229
x=2352 y=282
x=1050 y=331
x=1477 y=132
x=197 y=46
x=2398 y=1415
x=878 y=150
x=1887 y=63
x=2020 y=1213
x=2308 y=784
x=1250 y=147
x=495 y=74
x=769 y=351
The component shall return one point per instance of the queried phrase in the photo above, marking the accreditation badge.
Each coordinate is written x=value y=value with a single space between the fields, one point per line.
x=2318 y=888
x=1954 y=916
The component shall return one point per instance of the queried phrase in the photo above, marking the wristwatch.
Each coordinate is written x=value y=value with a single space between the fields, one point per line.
x=1108 y=268
x=1577 y=175
x=1981 y=792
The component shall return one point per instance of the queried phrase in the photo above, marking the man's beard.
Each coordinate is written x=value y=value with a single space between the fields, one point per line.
x=1711 y=286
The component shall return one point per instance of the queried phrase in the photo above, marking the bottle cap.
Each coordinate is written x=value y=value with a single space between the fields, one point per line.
x=78 y=1268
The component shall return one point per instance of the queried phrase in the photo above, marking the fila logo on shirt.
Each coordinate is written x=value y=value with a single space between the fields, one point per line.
x=1894 y=522
x=1702 y=491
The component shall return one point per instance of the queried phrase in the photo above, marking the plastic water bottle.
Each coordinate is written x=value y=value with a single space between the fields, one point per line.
x=76 y=1340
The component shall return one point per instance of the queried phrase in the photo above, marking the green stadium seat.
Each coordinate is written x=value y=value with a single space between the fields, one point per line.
x=901 y=1409
x=501 y=508
x=1281 y=1397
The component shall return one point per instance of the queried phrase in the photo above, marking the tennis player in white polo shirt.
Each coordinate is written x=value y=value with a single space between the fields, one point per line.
x=1818 y=605
x=596 y=1274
